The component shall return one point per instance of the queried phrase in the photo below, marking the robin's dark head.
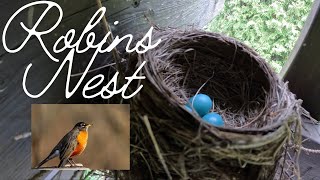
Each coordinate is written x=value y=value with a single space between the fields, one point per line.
x=82 y=126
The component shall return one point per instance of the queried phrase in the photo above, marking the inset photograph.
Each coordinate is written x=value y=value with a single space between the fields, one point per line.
x=80 y=136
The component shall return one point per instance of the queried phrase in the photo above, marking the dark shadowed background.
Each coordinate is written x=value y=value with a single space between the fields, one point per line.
x=109 y=138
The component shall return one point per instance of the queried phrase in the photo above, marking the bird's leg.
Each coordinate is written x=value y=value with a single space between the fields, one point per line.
x=71 y=162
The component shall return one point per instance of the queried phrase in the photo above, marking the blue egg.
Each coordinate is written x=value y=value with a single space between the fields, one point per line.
x=201 y=103
x=214 y=119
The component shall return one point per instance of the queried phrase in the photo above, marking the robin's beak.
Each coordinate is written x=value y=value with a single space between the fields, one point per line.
x=89 y=125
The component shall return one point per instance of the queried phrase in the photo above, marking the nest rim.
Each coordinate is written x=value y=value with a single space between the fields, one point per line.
x=265 y=139
x=275 y=86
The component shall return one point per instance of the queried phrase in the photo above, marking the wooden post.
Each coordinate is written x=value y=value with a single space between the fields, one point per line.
x=303 y=67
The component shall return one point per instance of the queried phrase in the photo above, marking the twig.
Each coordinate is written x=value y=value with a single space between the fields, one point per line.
x=149 y=168
x=156 y=146
x=110 y=39
x=95 y=69
x=202 y=87
x=22 y=136
x=315 y=151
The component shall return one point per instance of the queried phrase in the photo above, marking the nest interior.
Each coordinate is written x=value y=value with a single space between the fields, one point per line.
x=255 y=104
x=239 y=87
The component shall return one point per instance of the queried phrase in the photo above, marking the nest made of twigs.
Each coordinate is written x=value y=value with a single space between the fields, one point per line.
x=259 y=111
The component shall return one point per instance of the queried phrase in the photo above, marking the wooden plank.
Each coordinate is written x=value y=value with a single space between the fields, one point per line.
x=309 y=162
x=303 y=67
x=29 y=16
x=133 y=19
x=15 y=104
x=178 y=13
x=15 y=109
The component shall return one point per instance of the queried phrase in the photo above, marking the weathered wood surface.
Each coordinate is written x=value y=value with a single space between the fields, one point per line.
x=310 y=163
x=303 y=67
x=133 y=15
x=15 y=104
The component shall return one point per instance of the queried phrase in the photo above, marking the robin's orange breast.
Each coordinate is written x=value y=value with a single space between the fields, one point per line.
x=82 y=143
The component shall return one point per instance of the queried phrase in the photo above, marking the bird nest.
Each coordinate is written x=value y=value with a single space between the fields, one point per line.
x=260 y=112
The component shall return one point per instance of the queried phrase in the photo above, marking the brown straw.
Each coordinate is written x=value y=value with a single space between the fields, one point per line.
x=262 y=116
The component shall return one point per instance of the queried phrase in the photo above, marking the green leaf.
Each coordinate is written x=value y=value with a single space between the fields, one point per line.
x=269 y=27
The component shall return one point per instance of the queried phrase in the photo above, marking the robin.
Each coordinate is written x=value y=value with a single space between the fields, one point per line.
x=72 y=144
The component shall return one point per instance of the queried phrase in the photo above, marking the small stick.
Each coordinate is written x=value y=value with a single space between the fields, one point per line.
x=202 y=87
x=95 y=69
x=309 y=150
x=149 y=168
x=22 y=136
x=156 y=146
x=115 y=53
x=316 y=151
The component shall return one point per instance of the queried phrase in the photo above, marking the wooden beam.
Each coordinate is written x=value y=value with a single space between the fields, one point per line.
x=303 y=67
x=15 y=105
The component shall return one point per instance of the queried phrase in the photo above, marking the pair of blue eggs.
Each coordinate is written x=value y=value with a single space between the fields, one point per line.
x=202 y=104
